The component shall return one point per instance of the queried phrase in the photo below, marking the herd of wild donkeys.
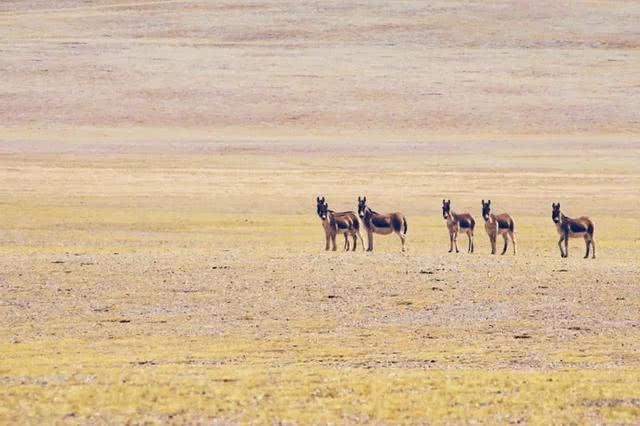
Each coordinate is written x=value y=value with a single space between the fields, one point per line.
x=347 y=223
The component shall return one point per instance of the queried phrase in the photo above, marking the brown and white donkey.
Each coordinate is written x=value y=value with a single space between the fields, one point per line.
x=573 y=228
x=458 y=223
x=382 y=223
x=335 y=223
x=498 y=224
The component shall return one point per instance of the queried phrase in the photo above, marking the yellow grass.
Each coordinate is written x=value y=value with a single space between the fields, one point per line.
x=240 y=379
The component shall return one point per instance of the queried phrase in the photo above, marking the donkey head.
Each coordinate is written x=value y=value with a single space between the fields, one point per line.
x=486 y=209
x=362 y=206
x=555 y=212
x=322 y=208
x=446 y=208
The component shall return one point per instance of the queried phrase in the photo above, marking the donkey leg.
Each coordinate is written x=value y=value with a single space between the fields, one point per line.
x=587 y=242
x=326 y=247
x=560 y=245
x=361 y=239
x=492 y=241
x=346 y=242
x=455 y=241
x=506 y=243
x=593 y=248
x=370 y=238
x=450 y=242
x=333 y=242
x=402 y=239
x=513 y=241
x=355 y=241
x=566 y=246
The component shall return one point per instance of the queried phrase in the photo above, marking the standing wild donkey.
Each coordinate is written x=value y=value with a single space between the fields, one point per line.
x=458 y=223
x=338 y=223
x=573 y=228
x=383 y=224
x=498 y=224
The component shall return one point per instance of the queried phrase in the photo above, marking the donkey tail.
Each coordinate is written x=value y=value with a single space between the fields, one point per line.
x=356 y=223
x=590 y=229
x=406 y=227
x=512 y=226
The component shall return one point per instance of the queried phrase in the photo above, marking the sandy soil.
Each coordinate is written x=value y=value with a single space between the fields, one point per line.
x=160 y=256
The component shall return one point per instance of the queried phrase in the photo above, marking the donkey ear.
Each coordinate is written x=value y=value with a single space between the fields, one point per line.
x=483 y=201
x=359 y=199
x=364 y=198
x=489 y=202
x=318 y=199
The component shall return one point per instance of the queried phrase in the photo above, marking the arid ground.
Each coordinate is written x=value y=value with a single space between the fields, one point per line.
x=160 y=256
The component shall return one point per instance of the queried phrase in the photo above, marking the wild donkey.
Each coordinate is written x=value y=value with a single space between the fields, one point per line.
x=573 y=228
x=338 y=223
x=458 y=223
x=498 y=224
x=383 y=224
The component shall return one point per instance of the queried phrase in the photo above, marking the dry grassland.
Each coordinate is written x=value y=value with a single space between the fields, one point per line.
x=160 y=256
